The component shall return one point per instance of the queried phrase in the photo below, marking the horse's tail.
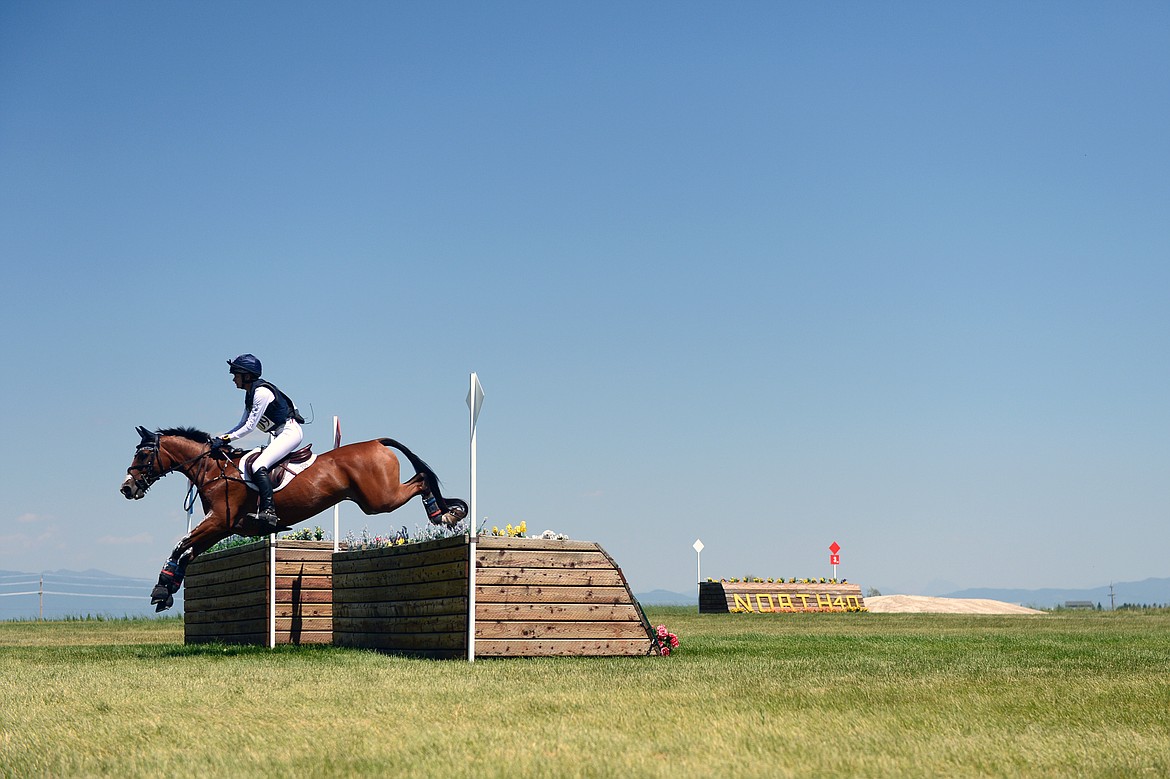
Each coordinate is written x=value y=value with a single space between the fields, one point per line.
x=432 y=481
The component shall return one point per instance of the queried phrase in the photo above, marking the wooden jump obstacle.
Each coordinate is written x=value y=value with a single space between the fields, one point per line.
x=778 y=597
x=229 y=595
x=533 y=597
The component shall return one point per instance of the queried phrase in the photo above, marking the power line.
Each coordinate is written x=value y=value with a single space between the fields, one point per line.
x=95 y=595
x=48 y=574
x=77 y=584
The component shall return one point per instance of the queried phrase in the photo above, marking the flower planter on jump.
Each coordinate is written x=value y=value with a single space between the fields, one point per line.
x=230 y=596
x=533 y=597
x=778 y=597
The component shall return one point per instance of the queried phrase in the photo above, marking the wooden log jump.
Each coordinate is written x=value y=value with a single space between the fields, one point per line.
x=228 y=594
x=533 y=597
x=778 y=597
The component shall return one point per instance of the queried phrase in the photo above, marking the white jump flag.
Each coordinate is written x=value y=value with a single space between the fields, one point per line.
x=474 y=404
x=698 y=546
x=336 y=506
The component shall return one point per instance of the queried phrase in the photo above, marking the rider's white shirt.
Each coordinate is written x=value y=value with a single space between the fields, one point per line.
x=251 y=418
x=285 y=438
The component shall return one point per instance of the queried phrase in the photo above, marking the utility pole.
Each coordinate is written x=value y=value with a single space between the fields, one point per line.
x=1112 y=606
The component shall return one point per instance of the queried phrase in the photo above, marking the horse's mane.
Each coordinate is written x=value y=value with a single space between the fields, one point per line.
x=198 y=436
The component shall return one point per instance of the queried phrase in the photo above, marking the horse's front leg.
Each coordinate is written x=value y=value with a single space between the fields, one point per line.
x=162 y=597
x=208 y=532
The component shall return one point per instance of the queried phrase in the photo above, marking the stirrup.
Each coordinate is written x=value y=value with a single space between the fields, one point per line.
x=266 y=517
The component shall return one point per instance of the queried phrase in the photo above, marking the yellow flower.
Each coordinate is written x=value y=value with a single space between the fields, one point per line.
x=495 y=530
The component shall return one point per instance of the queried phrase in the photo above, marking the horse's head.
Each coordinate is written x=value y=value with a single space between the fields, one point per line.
x=145 y=469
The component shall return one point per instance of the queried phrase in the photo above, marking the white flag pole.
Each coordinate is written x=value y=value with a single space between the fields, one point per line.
x=698 y=547
x=474 y=403
x=336 y=506
x=272 y=591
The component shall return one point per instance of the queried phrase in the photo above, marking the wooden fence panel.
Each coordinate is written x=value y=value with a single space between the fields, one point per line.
x=537 y=597
x=228 y=594
x=533 y=598
x=409 y=599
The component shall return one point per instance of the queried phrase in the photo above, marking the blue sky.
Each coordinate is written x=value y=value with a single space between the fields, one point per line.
x=771 y=275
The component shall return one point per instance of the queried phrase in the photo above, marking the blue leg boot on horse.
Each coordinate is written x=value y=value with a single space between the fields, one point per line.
x=162 y=597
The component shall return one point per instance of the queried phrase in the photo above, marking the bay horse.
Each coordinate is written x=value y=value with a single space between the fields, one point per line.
x=366 y=473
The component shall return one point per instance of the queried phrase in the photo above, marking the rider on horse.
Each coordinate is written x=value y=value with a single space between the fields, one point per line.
x=270 y=410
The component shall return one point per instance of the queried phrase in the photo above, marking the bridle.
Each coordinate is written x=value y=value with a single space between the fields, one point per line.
x=152 y=470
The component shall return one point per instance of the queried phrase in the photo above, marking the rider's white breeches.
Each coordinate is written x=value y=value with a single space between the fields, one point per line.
x=288 y=439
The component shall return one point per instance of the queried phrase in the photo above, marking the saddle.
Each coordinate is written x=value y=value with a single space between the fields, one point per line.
x=283 y=471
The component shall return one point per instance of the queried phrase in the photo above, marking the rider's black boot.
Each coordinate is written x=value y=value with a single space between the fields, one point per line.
x=265 y=512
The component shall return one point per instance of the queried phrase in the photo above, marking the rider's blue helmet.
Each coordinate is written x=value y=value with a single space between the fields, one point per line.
x=245 y=363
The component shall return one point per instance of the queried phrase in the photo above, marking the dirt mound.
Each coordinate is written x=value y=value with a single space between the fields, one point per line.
x=921 y=604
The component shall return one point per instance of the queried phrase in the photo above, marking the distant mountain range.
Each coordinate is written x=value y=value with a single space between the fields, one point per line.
x=1148 y=592
x=67 y=594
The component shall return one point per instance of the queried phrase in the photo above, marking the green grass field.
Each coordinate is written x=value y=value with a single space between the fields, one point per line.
x=872 y=695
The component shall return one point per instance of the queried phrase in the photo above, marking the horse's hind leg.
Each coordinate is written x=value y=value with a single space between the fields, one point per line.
x=389 y=498
x=419 y=484
x=373 y=483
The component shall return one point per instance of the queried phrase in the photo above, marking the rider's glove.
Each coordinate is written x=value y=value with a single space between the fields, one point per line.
x=217 y=442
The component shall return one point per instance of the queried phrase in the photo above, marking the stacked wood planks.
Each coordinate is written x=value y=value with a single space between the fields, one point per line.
x=227 y=594
x=533 y=597
x=409 y=599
